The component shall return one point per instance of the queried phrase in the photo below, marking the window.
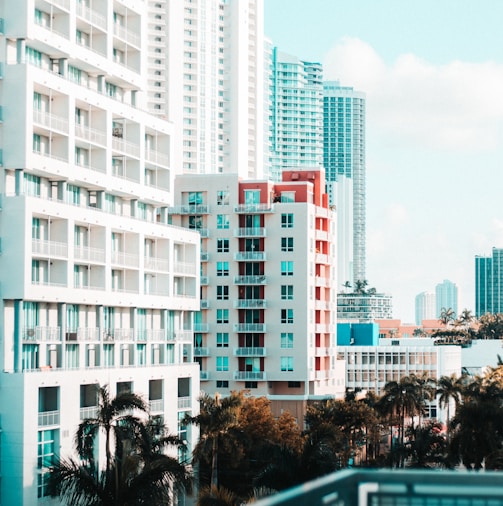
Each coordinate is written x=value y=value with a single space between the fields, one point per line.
x=222 y=268
x=222 y=316
x=32 y=185
x=222 y=292
x=73 y=194
x=287 y=339
x=222 y=245
x=222 y=340
x=195 y=222
x=111 y=89
x=287 y=316
x=47 y=448
x=287 y=244
x=287 y=220
x=142 y=210
x=287 y=196
x=33 y=56
x=222 y=198
x=252 y=197
x=222 y=384
x=287 y=363
x=251 y=384
x=74 y=74
x=222 y=221
x=294 y=384
x=195 y=198
x=287 y=268
x=287 y=292
x=222 y=364
x=37 y=143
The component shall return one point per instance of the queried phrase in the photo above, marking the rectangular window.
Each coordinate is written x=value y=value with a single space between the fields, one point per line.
x=195 y=198
x=222 y=384
x=287 y=220
x=222 y=364
x=223 y=221
x=74 y=74
x=142 y=210
x=222 y=292
x=222 y=316
x=287 y=292
x=287 y=364
x=287 y=339
x=251 y=384
x=222 y=245
x=287 y=268
x=287 y=196
x=252 y=197
x=287 y=316
x=223 y=198
x=287 y=244
x=111 y=89
x=33 y=56
x=222 y=340
x=195 y=222
x=47 y=448
x=32 y=185
x=222 y=268
x=73 y=193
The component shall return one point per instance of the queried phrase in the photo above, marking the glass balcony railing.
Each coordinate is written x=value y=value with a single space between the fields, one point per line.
x=395 y=488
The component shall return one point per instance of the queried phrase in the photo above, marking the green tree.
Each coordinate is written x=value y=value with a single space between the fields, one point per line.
x=426 y=445
x=449 y=389
x=217 y=416
x=490 y=326
x=136 y=472
x=447 y=316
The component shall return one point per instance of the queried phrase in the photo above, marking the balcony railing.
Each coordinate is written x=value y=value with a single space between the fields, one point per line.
x=124 y=259
x=90 y=15
x=184 y=402
x=48 y=418
x=50 y=120
x=156 y=405
x=189 y=209
x=249 y=375
x=250 y=304
x=42 y=334
x=156 y=264
x=89 y=254
x=250 y=352
x=249 y=327
x=201 y=351
x=250 y=280
x=205 y=304
x=201 y=327
x=204 y=375
x=394 y=487
x=91 y=134
x=89 y=412
x=184 y=335
x=250 y=232
x=49 y=248
x=244 y=256
x=253 y=208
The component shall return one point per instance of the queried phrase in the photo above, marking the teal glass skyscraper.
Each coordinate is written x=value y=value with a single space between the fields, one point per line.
x=489 y=283
x=344 y=162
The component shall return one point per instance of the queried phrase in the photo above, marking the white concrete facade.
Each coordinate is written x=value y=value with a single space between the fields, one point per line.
x=97 y=287
x=268 y=302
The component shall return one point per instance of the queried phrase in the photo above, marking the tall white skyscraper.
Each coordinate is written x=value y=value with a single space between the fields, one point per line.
x=425 y=307
x=446 y=295
x=296 y=113
x=344 y=161
x=206 y=73
x=97 y=287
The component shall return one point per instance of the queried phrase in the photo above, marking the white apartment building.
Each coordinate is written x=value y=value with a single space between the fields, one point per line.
x=371 y=367
x=207 y=67
x=96 y=286
x=268 y=288
x=364 y=307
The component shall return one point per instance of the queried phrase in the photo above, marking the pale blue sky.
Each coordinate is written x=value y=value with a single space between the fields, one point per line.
x=433 y=74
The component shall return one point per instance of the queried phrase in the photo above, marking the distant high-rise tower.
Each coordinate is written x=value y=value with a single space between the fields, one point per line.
x=206 y=72
x=344 y=161
x=446 y=294
x=488 y=283
x=297 y=113
x=425 y=307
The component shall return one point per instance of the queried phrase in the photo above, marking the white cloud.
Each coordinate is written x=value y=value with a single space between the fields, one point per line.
x=453 y=106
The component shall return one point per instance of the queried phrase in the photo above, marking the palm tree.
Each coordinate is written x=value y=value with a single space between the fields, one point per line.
x=216 y=418
x=466 y=317
x=135 y=472
x=360 y=286
x=449 y=389
x=446 y=316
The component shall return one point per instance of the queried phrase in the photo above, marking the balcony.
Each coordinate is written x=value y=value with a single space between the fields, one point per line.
x=89 y=254
x=250 y=232
x=204 y=375
x=125 y=259
x=250 y=352
x=204 y=280
x=201 y=327
x=50 y=121
x=49 y=248
x=205 y=304
x=88 y=412
x=189 y=209
x=250 y=280
x=205 y=256
x=249 y=375
x=351 y=487
x=91 y=134
x=156 y=264
x=253 y=208
x=156 y=405
x=42 y=334
x=201 y=351
x=321 y=259
x=48 y=418
x=250 y=327
x=185 y=268
x=184 y=403
x=156 y=157
x=250 y=304
x=184 y=336
x=245 y=256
